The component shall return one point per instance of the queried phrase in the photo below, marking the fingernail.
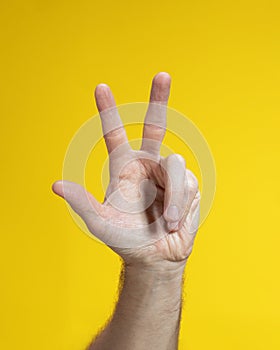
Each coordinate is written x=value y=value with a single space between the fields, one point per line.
x=173 y=213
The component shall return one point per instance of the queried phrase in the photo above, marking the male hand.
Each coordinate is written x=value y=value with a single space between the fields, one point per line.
x=150 y=213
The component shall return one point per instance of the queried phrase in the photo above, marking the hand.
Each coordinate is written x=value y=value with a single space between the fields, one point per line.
x=150 y=213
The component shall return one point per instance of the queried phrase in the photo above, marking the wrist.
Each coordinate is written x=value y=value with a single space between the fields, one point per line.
x=161 y=270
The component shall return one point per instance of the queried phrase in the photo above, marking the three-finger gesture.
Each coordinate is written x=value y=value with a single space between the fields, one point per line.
x=151 y=207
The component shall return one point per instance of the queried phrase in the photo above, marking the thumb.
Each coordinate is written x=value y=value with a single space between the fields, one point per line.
x=80 y=200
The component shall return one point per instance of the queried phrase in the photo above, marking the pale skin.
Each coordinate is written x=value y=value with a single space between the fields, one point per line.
x=149 y=217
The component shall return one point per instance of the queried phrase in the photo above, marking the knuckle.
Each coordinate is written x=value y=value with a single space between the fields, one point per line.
x=117 y=132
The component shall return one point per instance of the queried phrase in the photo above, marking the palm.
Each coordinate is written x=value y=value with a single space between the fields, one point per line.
x=143 y=178
x=135 y=218
x=136 y=194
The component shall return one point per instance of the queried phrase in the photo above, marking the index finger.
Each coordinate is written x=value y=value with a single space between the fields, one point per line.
x=112 y=126
x=155 y=119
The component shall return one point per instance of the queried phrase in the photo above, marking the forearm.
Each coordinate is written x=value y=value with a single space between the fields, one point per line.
x=147 y=315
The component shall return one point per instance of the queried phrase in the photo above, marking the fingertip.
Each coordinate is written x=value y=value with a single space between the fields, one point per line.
x=57 y=188
x=102 y=90
x=160 y=88
x=162 y=77
x=104 y=97
x=172 y=213
x=101 y=87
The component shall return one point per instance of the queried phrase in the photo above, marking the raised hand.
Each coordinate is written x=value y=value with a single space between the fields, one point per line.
x=151 y=208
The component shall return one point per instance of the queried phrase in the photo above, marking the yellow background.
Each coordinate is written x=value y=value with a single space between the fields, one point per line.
x=58 y=286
